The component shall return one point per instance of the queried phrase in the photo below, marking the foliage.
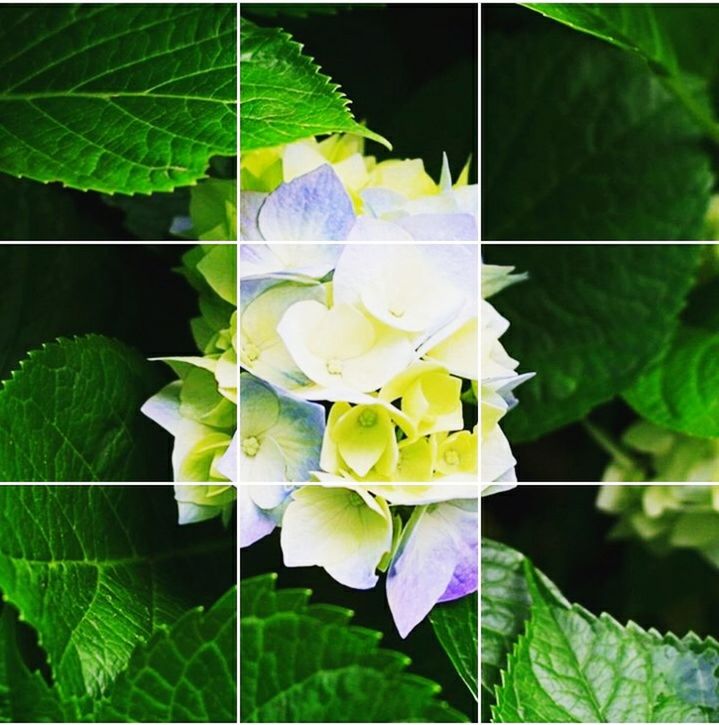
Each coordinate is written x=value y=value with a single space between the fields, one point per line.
x=341 y=674
x=559 y=164
x=72 y=560
x=549 y=661
x=113 y=98
x=76 y=327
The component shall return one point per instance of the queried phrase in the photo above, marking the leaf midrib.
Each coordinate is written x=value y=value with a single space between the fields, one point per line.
x=108 y=96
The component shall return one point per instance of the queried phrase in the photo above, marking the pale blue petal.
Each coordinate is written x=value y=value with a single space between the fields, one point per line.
x=433 y=561
x=313 y=207
x=250 y=203
x=255 y=523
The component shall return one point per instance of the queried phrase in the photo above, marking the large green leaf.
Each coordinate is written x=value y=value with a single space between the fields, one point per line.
x=304 y=663
x=284 y=97
x=117 y=97
x=455 y=624
x=570 y=666
x=71 y=412
x=582 y=142
x=634 y=27
x=588 y=321
x=648 y=30
x=96 y=570
x=186 y=674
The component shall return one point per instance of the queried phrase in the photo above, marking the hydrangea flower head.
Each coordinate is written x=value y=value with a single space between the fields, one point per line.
x=355 y=532
x=683 y=516
x=330 y=191
x=200 y=408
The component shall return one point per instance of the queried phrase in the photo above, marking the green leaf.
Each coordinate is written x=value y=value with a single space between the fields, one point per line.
x=71 y=412
x=588 y=320
x=305 y=663
x=643 y=29
x=679 y=391
x=634 y=27
x=581 y=142
x=505 y=609
x=96 y=570
x=24 y=695
x=184 y=674
x=455 y=624
x=117 y=97
x=284 y=96
x=570 y=666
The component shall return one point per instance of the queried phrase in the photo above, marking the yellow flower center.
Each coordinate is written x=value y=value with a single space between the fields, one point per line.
x=250 y=446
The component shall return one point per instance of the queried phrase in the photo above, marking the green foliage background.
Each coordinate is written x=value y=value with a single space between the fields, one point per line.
x=599 y=122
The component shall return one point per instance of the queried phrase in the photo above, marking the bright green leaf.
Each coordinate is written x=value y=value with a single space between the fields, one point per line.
x=284 y=96
x=117 y=97
x=570 y=666
x=588 y=321
x=184 y=674
x=97 y=570
x=305 y=663
x=71 y=412
x=621 y=161
x=455 y=624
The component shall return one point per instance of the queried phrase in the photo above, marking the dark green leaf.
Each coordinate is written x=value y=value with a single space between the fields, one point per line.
x=679 y=391
x=304 y=663
x=455 y=624
x=583 y=143
x=588 y=321
x=117 y=97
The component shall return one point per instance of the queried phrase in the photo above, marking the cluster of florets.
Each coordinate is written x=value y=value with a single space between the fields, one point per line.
x=385 y=335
